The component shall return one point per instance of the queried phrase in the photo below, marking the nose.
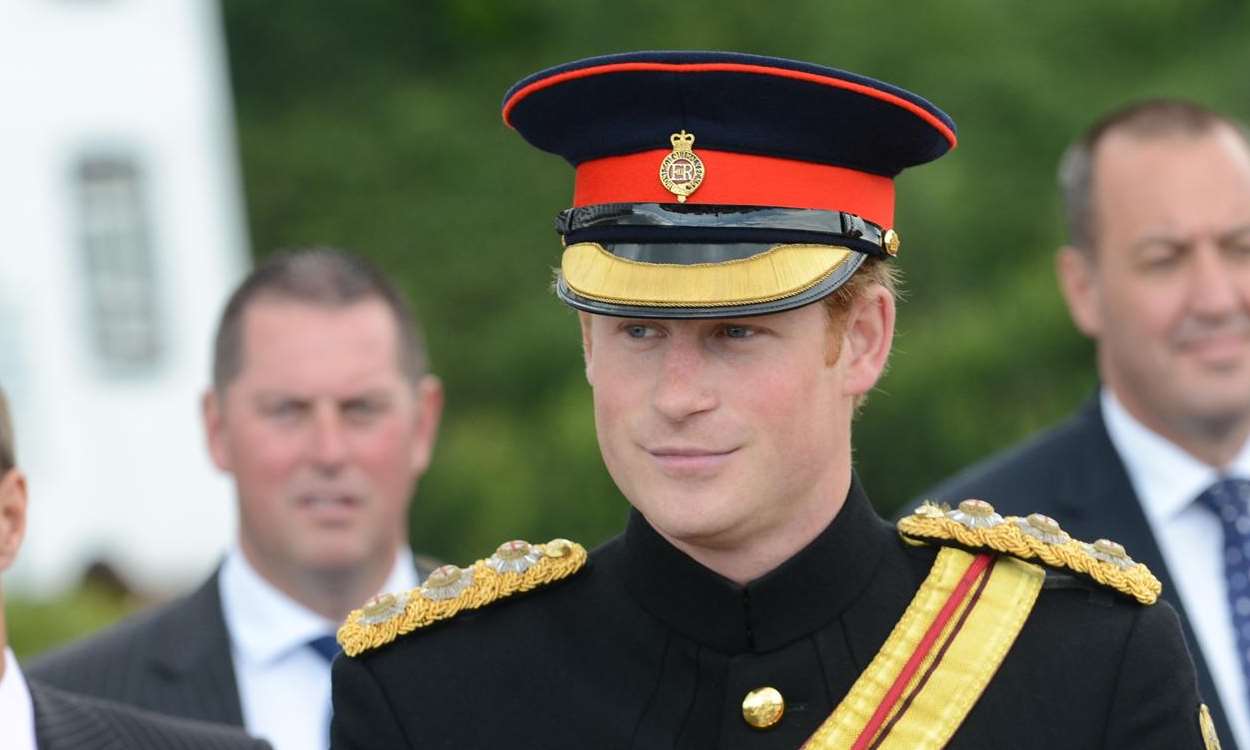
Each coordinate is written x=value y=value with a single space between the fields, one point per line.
x=682 y=387
x=329 y=442
x=1215 y=290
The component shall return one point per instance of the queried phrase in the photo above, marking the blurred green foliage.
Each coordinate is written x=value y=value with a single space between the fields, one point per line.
x=375 y=126
x=37 y=625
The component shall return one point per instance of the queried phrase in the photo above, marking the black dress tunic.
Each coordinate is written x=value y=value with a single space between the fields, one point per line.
x=645 y=648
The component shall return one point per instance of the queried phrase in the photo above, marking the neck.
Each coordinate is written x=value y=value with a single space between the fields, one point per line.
x=331 y=593
x=752 y=554
x=1214 y=440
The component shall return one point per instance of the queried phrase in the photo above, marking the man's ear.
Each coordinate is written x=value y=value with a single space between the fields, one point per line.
x=867 y=337
x=12 y=516
x=586 y=322
x=1078 y=281
x=429 y=415
x=213 y=412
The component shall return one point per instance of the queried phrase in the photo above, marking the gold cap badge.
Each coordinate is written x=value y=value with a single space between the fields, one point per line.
x=681 y=172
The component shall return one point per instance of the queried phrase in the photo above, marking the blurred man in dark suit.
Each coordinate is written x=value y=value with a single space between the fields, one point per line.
x=324 y=413
x=1157 y=272
x=37 y=717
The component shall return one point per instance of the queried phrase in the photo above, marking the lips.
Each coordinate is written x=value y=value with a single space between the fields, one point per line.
x=1222 y=349
x=329 y=507
x=686 y=461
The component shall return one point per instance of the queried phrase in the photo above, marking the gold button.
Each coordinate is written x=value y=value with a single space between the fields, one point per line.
x=1044 y=528
x=441 y=578
x=1044 y=524
x=1110 y=548
x=891 y=242
x=558 y=548
x=763 y=707
x=977 y=508
x=379 y=605
x=514 y=550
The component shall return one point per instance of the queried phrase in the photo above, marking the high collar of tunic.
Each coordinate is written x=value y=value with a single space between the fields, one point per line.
x=800 y=596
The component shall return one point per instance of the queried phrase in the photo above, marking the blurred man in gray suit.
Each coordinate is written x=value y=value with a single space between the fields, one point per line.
x=1157 y=272
x=37 y=717
x=323 y=411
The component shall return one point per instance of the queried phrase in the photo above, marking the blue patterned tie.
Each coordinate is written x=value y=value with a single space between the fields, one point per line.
x=1230 y=499
x=326 y=647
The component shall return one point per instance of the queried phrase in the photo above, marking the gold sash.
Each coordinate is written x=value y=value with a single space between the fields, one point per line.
x=939 y=657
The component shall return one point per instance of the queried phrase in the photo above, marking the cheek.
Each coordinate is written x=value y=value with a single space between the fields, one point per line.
x=1143 y=313
x=801 y=412
x=610 y=411
x=385 y=452
x=618 y=404
x=266 y=457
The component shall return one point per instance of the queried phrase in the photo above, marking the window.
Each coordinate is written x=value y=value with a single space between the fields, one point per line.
x=121 y=281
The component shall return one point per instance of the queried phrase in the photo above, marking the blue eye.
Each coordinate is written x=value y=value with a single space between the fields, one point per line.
x=637 y=331
x=739 y=332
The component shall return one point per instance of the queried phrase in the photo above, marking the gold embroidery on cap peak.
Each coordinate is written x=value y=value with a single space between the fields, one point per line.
x=1034 y=538
x=450 y=590
x=777 y=273
x=681 y=172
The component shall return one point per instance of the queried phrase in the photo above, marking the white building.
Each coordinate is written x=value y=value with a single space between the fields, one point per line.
x=123 y=232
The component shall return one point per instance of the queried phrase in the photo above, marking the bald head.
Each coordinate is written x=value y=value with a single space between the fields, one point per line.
x=1150 y=120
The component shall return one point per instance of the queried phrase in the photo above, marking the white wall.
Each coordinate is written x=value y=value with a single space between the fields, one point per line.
x=116 y=460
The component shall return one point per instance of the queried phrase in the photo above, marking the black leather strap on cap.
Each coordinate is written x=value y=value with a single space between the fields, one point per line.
x=659 y=223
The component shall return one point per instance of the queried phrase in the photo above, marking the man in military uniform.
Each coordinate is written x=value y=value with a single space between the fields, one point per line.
x=729 y=252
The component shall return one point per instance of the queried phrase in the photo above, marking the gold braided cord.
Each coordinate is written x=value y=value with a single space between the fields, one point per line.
x=357 y=635
x=779 y=272
x=1135 y=580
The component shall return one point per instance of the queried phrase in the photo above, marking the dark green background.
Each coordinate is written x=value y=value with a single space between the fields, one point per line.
x=374 y=125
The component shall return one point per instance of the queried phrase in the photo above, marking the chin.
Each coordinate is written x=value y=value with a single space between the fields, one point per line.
x=692 y=519
x=1216 y=411
x=336 y=558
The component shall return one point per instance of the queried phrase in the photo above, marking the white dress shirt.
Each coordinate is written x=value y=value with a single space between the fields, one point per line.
x=1167 y=481
x=284 y=685
x=17 y=713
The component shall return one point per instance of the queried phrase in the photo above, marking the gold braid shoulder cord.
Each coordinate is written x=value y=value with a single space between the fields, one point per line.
x=974 y=525
x=515 y=567
x=961 y=623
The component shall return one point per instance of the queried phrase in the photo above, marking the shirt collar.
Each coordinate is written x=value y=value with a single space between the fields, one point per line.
x=265 y=624
x=15 y=704
x=800 y=596
x=1166 y=478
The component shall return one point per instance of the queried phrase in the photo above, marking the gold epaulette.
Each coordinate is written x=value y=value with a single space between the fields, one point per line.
x=515 y=567
x=975 y=525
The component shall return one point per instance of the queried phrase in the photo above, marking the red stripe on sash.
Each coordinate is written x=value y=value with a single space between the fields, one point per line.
x=892 y=696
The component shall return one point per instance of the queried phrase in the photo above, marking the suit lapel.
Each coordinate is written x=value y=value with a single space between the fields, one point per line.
x=1108 y=501
x=61 y=724
x=191 y=653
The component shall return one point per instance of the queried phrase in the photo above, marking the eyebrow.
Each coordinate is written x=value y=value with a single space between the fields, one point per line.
x=370 y=394
x=1168 y=239
x=1234 y=233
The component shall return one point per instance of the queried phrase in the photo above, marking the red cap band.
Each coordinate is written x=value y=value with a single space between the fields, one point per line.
x=742 y=180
